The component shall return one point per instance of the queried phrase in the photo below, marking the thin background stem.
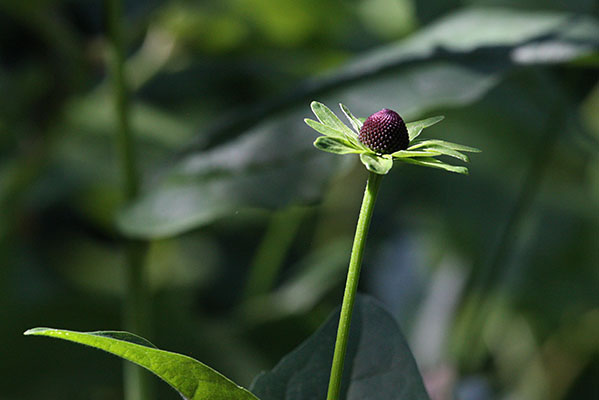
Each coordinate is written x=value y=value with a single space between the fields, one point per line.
x=135 y=313
x=267 y=263
x=351 y=285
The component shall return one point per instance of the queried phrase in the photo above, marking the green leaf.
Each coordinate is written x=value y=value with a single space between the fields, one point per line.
x=355 y=122
x=433 y=163
x=469 y=29
x=334 y=145
x=416 y=127
x=379 y=364
x=192 y=379
x=325 y=129
x=442 y=143
x=327 y=117
x=377 y=164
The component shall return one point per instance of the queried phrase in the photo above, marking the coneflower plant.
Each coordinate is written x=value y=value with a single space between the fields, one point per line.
x=380 y=140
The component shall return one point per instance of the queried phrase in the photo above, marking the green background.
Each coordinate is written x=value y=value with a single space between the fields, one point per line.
x=493 y=277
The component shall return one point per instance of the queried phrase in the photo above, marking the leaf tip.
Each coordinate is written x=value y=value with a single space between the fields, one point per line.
x=35 y=331
x=315 y=104
x=318 y=143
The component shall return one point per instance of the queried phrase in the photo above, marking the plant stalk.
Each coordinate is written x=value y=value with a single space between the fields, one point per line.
x=124 y=138
x=135 y=307
x=351 y=284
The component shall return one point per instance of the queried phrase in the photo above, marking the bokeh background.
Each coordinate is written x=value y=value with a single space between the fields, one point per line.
x=494 y=277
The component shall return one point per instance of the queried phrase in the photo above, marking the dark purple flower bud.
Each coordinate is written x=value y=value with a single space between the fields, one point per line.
x=384 y=132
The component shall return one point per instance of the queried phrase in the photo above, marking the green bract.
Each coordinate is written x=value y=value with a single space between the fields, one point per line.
x=340 y=139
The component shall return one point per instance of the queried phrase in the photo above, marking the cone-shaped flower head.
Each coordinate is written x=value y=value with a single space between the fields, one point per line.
x=384 y=132
x=384 y=138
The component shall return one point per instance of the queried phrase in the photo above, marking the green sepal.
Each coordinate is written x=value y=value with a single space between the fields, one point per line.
x=328 y=118
x=411 y=153
x=377 y=164
x=416 y=127
x=335 y=145
x=325 y=129
x=355 y=122
x=446 y=151
x=434 y=163
x=443 y=143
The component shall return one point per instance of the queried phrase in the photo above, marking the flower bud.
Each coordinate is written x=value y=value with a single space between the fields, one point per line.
x=384 y=132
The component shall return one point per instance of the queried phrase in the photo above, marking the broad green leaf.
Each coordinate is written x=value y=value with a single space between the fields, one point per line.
x=442 y=143
x=185 y=203
x=325 y=129
x=377 y=164
x=192 y=379
x=379 y=364
x=334 y=145
x=455 y=84
x=469 y=29
x=416 y=127
x=410 y=153
x=355 y=122
x=433 y=163
x=273 y=165
x=327 y=117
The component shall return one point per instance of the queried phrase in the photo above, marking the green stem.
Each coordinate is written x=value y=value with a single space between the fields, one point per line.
x=351 y=285
x=136 y=317
x=124 y=138
x=135 y=313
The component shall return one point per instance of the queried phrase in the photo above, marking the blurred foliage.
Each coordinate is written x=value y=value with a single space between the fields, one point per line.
x=492 y=277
